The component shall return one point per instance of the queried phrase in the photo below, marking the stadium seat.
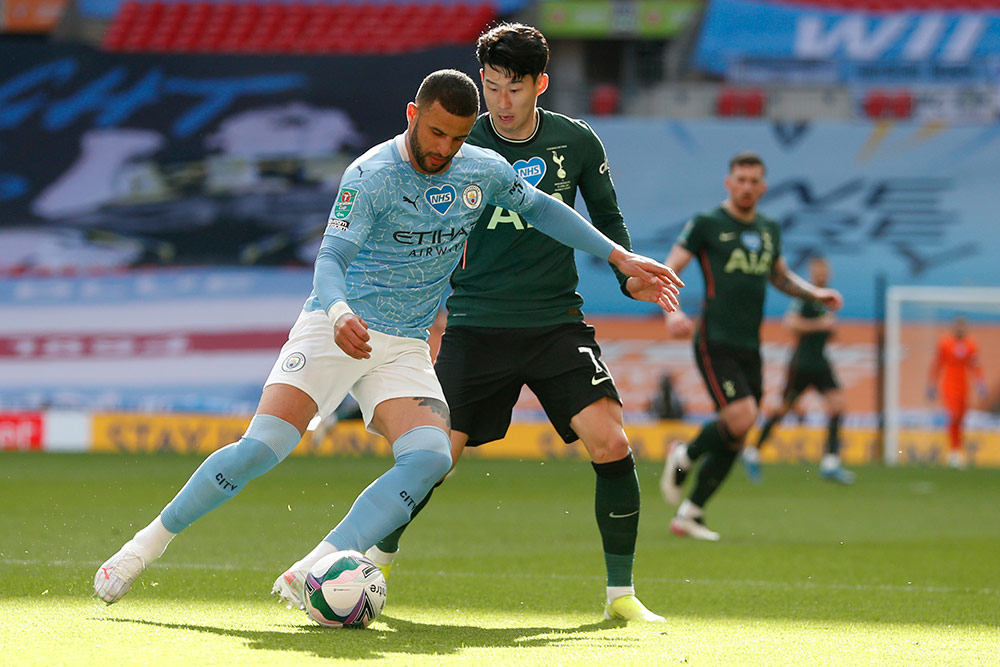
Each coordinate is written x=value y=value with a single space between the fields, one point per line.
x=880 y=104
x=604 y=99
x=740 y=102
x=293 y=26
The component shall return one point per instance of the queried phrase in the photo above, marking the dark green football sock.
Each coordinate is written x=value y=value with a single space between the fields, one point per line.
x=390 y=543
x=616 y=505
x=765 y=430
x=833 y=435
x=713 y=471
x=712 y=437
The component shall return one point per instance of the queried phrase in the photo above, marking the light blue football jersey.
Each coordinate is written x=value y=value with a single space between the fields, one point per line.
x=411 y=229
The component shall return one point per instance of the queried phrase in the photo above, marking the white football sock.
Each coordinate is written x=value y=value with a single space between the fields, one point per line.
x=615 y=592
x=324 y=548
x=151 y=541
x=689 y=510
x=381 y=557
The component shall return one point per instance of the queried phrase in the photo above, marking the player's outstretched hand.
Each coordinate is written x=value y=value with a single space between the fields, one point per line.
x=639 y=266
x=350 y=333
x=658 y=291
x=830 y=298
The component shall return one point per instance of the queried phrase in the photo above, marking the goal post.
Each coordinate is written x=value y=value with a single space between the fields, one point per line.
x=915 y=318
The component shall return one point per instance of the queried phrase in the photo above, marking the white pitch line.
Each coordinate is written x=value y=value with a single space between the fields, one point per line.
x=804 y=585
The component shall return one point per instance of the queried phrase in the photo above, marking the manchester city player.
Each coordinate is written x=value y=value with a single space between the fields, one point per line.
x=395 y=233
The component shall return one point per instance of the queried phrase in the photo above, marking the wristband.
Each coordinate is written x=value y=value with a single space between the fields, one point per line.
x=338 y=309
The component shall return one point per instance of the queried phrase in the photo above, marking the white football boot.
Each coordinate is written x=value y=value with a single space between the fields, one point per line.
x=114 y=579
x=684 y=526
x=290 y=587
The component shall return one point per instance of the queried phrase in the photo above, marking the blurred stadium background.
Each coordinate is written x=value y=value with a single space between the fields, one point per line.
x=166 y=168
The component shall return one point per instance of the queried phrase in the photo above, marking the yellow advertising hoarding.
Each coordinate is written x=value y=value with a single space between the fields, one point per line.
x=190 y=433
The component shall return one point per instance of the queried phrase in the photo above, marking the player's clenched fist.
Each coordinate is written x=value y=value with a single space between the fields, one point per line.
x=351 y=335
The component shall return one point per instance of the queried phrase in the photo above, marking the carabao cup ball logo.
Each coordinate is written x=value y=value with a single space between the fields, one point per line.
x=531 y=170
x=441 y=198
x=751 y=240
x=293 y=362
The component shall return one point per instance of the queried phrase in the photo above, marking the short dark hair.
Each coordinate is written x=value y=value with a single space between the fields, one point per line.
x=515 y=49
x=455 y=91
x=746 y=159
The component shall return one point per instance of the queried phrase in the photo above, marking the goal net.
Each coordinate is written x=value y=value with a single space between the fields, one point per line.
x=916 y=424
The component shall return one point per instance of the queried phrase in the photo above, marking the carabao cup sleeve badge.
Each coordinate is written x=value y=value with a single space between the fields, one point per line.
x=345 y=203
x=472 y=197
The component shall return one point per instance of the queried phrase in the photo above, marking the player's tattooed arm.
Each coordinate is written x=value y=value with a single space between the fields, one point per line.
x=791 y=283
x=439 y=408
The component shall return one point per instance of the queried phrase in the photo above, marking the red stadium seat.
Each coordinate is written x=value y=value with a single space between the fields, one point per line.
x=740 y=102
x=605 y=99
x=879 y=104
x=303 y=26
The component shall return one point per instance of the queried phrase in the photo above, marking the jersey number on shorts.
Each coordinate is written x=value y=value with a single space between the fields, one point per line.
x=600 y=369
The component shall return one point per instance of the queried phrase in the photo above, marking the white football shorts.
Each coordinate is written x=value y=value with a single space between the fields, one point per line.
x=311 y=361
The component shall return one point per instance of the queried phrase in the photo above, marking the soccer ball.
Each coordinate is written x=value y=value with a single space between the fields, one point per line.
x=344 y=590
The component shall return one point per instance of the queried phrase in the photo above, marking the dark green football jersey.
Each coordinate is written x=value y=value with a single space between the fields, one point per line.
x=735 y=259
x=809 y=353
x=512 y=275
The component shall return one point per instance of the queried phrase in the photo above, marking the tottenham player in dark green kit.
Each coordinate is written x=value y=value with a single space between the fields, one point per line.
x=739 y=252
x=515 y=318
x=809 y=367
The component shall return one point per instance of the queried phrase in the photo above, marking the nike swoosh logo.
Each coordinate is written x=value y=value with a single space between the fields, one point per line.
x=728 y=236
x=622 y=516
x=595 y=381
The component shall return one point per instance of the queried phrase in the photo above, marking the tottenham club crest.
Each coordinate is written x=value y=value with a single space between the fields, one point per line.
x=559 y=159
x=293 y=362
x=472 y=197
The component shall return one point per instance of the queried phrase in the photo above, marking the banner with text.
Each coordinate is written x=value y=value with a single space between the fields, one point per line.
x=941 y=44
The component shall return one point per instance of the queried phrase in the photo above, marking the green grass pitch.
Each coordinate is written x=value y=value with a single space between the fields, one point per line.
x=504 y=567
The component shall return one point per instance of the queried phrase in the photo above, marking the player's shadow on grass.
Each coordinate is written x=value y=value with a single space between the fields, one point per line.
x=402 y=638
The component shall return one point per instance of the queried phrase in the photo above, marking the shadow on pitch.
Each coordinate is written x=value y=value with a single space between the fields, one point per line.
x=402 y=637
